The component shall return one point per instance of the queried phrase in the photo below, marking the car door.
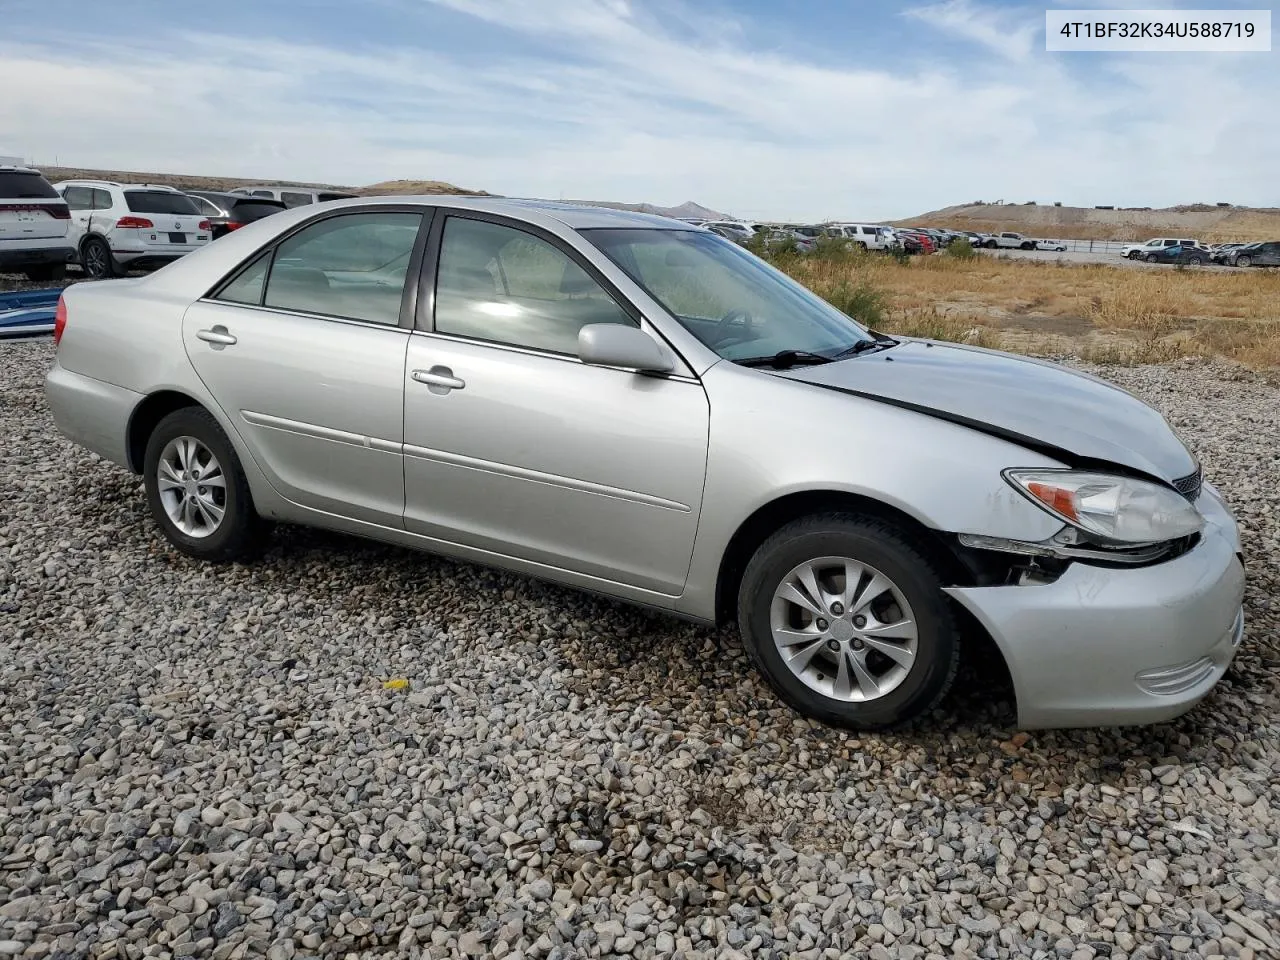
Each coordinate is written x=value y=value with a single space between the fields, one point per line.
x=515 y=447
x=303 y=351
x=80 y=203
x=1269 y=254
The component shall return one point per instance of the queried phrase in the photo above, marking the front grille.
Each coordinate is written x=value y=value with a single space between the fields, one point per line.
x=1189 y=486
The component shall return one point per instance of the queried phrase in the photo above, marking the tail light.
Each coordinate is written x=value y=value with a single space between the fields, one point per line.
x=140 y=223
x=205 y=226
x=59 y=211
x=59 y=321
x=234 y=225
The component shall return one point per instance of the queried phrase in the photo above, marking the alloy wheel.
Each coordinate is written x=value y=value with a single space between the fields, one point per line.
x=95 y=259
x=192 y=486
x=844 y=629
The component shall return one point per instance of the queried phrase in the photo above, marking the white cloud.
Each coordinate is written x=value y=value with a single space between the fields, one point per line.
x=607 y=103
x=1009 y=33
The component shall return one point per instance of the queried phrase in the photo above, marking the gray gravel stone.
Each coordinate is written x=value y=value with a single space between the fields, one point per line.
x=202 y=761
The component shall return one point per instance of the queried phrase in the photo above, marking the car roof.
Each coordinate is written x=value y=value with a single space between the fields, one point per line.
x=579 y=216
x=154 y=187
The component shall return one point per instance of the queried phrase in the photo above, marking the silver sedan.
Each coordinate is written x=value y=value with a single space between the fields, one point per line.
x=629 y=405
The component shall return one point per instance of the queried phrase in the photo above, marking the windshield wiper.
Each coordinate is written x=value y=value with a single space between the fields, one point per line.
x=881 y=342
x=784 y=359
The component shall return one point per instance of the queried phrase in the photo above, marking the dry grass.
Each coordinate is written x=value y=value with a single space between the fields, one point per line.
x=1105 y=313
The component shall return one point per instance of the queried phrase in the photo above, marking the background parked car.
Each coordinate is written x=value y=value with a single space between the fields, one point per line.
x=131 y=226
x=229 y=211
x=1010 y=241
x=799 y=242
x=1057 y=245
x=1139 y=251
x=1266 y=254
x=867 y=235
x=34 y=223
x=292 y=196
x=913 y=241
x=730 y=229
x=1195 y=256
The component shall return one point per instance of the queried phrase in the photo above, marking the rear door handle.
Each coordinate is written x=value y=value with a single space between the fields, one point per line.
x=218 y=336
x=438 y=379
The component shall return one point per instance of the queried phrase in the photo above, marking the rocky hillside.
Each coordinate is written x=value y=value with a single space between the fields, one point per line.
x=1203 y=221
x=186 y=181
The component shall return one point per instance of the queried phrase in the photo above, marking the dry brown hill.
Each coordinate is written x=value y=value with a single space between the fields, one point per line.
x=1202 y=221
x=186 y=181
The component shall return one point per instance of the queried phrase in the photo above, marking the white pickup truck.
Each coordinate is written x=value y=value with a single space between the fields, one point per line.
x=1011 y=241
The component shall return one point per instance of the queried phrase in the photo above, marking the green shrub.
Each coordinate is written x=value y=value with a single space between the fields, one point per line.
x=860 y=300
x=961 y=250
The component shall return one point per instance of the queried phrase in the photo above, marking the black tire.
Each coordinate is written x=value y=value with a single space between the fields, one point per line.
x=1195 y=261
x=1151 y=258
x=1244 y=261
x=886 y=548
x=96 y=258
x=48 y=273
x=991 y=244
x=240 y=532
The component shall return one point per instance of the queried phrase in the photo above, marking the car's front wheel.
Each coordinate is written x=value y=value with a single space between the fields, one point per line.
x=1244 y=261
x=1151 y=258
x=846 y=619
x=196 y=489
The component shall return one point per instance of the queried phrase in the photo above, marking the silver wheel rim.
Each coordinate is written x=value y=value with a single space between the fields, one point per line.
x=193 y=488
x=95 y=260
x=844 y=629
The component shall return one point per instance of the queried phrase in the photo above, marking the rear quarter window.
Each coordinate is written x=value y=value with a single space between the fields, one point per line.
x=159 y=201
x=249 y=210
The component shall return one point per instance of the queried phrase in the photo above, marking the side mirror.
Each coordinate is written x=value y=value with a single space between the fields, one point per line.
x=619 y=345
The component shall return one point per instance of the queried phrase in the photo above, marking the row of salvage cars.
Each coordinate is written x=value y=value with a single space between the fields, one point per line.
x=109 y=228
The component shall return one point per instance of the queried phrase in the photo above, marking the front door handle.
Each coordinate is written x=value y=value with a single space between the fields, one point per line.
x=438 y=379
x=218 y=336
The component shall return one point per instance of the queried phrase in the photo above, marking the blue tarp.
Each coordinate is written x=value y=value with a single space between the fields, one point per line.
x=28 y=313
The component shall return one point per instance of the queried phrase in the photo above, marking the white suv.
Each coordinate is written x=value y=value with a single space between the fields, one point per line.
x=131 y=226
x=34 y=224
x=1144 y=251
x=869 y=236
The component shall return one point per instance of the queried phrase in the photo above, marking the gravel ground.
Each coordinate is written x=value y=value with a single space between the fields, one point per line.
x=204 y=761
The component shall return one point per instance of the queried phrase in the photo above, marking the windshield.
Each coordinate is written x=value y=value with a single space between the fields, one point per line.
x=732 y=301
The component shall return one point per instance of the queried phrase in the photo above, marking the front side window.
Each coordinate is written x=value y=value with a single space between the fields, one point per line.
x=731 y=301
x=503 y=285
x=78 y=198
x=352 y=266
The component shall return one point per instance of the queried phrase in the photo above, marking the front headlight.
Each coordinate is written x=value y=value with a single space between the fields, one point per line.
x=1113 y=509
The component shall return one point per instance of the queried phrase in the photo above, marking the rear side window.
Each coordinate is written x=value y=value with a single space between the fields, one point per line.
x=295 y=199
x=247 y=288
x=352 y=266
x=333 y=196
x=101 y=199
x=206 y=207
x=24 y=186
x=159 y=201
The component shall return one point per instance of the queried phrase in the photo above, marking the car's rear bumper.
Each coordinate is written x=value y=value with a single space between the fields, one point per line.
x=90 y=412
x=23 y=254
x=1102 y=647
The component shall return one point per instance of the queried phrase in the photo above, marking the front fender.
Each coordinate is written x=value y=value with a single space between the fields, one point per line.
x=772 y=437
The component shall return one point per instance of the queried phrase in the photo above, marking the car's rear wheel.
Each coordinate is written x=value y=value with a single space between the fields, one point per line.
x=196 y=489
x=96 y=258
x=846 y=619
x=1195 y=261
x=1151 y=258
x=47 y=273
x=1244 y=261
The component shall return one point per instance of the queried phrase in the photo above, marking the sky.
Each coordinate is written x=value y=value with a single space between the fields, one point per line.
x=785 y=109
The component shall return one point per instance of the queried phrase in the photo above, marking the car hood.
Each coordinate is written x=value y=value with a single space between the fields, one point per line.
x=1071 y=416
